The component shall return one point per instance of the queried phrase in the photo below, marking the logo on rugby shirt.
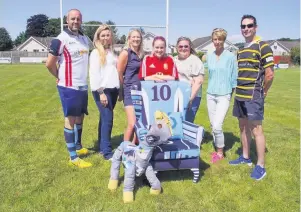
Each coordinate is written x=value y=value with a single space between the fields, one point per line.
x=269 y=59
x=165 y=66
x=152 y=66
x=81 y=52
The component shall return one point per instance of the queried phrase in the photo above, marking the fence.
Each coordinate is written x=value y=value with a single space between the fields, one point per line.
x=22 y=57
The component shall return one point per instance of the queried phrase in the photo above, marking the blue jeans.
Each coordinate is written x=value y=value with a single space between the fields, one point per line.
x=191 y=113
x=106 y=120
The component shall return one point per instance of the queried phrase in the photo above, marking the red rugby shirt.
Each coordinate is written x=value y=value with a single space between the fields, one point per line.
x=153 y=65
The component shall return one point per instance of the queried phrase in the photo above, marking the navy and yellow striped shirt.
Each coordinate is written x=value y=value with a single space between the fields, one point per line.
x=252 y=61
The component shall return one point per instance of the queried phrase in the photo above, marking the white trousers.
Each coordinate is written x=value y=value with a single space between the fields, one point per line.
x=217 y=109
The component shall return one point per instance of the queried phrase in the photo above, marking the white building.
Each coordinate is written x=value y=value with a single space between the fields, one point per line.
x=205 y=44
x=280 y=48
x=148 y=38
x=35 y=44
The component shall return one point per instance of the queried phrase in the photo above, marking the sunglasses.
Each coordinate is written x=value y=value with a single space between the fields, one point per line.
x=185 y=47
x=243 y=26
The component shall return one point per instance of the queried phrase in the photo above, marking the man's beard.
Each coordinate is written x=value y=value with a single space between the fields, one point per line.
x=73 y=29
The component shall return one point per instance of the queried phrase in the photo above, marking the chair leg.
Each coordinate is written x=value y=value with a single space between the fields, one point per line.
x=196 y=174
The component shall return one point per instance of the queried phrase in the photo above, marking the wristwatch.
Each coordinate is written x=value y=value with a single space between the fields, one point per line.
x=100 y=91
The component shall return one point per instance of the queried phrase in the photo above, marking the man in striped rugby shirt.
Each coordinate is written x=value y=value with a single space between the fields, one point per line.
x=255 y=77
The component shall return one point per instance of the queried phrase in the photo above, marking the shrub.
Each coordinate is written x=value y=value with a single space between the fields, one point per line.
x=200 y=54
x=295 y=55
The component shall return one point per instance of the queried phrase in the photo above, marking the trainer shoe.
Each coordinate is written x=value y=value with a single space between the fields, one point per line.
x=258 y=173
x=82 y=152
x=241 y=160
x=80 y=163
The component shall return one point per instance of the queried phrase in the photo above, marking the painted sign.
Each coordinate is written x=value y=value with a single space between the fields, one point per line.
x=5 y=60
x=32 y=59
x=282 y=66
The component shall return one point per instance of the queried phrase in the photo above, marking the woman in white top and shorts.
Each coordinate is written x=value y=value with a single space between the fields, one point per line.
x=104 y=84
x=191 y=70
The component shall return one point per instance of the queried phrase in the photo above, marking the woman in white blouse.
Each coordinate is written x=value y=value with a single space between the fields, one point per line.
x=104 y=84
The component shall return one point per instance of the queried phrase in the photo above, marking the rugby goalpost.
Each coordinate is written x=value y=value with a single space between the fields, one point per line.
x=148 y=26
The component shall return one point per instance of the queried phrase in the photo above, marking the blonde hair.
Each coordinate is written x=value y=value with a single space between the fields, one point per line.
x=219 y=33
x=98 y=45
x=127 y=45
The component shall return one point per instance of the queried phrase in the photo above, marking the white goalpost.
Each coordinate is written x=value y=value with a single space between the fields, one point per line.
x=147 y=26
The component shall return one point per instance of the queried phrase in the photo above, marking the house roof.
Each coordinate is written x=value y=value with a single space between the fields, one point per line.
x=44 y=40
x=289 y=44
x=37 y=39
x=118 y=45
x=149 y=34
x=200 y=41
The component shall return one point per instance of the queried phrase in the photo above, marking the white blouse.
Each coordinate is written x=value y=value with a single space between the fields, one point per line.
x=103 y=76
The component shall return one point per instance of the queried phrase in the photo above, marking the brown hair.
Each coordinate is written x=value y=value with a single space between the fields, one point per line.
x=192 y=51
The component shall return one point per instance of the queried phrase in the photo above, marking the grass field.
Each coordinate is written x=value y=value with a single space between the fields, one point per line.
x=34 y=174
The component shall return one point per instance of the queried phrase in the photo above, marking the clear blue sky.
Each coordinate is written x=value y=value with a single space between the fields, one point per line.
x=192 y=18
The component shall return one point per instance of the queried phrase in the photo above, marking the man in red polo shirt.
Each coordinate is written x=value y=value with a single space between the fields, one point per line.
x=158 y=66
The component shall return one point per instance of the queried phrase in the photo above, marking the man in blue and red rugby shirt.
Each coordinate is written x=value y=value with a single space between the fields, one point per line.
x=71 y=51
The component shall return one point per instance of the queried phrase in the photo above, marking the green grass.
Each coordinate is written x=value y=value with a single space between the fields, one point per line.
x=35 y=176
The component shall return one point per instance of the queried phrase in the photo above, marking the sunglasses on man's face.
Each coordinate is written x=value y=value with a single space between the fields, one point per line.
x=185 y=47
x=243 y=26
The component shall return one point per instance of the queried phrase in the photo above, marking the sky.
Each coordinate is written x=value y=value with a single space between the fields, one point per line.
x=191 y=18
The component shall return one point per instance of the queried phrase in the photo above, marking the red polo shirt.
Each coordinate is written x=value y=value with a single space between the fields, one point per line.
x=153 y=65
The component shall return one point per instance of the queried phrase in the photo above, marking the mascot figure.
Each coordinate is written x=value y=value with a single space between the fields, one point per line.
x=136 y=160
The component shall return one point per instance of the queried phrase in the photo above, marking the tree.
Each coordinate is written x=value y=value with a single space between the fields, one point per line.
x=53 y=28
x=200 y=55
x=90 y=30
x=5 y=40
x=295 y=55
x=174 y=54
x=142 y=31
x=114 y=29
x=240 y=45
x=122 y=39
x=21 y=38
x=285 y=39
x=36 y=26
